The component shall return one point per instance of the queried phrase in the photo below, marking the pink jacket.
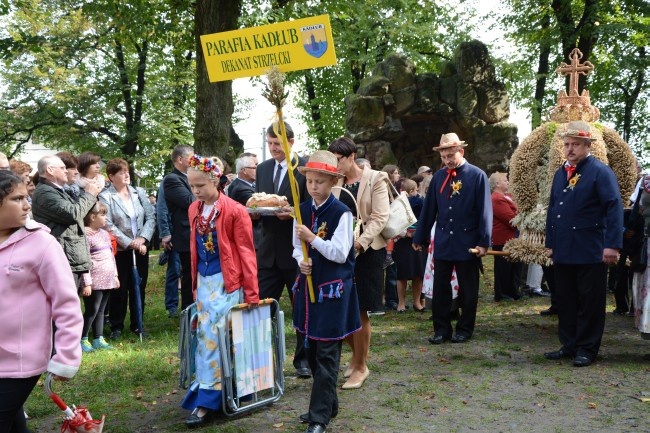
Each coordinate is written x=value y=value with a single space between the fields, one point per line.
x=236 y=249
x=36 y=289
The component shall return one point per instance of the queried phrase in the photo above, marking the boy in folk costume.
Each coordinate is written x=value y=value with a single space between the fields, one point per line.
x=328 y=232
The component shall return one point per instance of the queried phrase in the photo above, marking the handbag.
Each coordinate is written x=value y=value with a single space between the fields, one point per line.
x=401 y=215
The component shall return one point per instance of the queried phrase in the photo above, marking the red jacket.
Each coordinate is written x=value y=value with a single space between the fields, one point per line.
x=504 y=210
x=236 y=249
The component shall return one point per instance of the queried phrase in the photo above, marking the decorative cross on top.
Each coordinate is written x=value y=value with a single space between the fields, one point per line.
x=574 y=69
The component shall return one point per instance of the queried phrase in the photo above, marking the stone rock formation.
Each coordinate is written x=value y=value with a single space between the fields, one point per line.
x=397 y=116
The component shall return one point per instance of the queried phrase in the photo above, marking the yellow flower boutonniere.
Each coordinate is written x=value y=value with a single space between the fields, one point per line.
x=209 y=244
x=573 y=181
x=456 y=187
x=322 y=230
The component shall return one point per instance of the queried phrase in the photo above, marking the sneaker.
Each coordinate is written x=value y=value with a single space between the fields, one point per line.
x=376 y=313
x=389 y=261
x=115 y=335
x=172 y=314
x=100 y=343
x=86 y=346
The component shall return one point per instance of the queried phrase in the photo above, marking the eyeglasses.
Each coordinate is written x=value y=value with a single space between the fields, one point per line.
x=252 y=168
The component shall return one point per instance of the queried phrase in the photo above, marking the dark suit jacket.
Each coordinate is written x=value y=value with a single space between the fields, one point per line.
x=240 y=191
x=178 y=197
x=463 y=220
x=583 y=220
x=275 y=244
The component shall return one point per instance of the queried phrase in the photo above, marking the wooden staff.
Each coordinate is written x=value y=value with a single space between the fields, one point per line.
x=274 y=92
x=490 y=252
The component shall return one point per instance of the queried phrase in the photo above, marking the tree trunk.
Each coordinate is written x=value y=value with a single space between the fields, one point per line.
x=214 y=104
x=542 y=74
x=314 y=109
x=631 y=96
x=583 y=36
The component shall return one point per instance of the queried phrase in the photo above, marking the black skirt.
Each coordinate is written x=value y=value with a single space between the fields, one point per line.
x=410 y=263
x=369 y=277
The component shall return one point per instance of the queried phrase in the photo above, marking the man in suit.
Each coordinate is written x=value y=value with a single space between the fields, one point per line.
x=243 y=186
x=178 y=197
x=459 y=202
x=276 y=267
x=584 y=227
x=63 y=215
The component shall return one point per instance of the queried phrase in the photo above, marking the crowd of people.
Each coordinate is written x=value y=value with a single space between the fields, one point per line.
x=219 y=254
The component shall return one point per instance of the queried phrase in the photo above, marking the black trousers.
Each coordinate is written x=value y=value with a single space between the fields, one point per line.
x=622 y=284
x=507 y=276
x=125 y=295
x=324 y=358
x=95 y=304
x=187 y=298
x=468 y=277
x=13 y=394
x=272 y=282
x=581 y=297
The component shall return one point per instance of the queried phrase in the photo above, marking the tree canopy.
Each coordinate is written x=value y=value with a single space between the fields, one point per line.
x=120 y=78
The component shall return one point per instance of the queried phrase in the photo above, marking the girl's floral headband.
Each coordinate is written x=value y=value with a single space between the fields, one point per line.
x=206 y=165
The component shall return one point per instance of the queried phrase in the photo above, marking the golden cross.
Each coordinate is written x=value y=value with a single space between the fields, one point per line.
x=574 y=70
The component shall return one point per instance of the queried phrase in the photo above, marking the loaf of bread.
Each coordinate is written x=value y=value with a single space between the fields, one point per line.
x=262 y=199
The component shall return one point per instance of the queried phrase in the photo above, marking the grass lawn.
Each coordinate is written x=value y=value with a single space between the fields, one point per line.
x=498 y=382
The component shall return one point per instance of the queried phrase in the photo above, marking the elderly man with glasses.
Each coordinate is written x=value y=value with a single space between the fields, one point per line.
x=53 y=207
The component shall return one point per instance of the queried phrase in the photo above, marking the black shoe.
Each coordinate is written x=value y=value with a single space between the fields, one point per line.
x=303 y=372
x=548 y=312
x=581 y=361
x=438 y=339
x=196 y=421
x=539 y=293
x=460 y=338
x=145 y=334
x=315 y=427
x=619 y=312
x=115 y=335
x=172 y=314
x=558 y=354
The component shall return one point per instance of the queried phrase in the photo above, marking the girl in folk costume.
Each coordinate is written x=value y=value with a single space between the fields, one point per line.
x=224 y=270
x=335 y=314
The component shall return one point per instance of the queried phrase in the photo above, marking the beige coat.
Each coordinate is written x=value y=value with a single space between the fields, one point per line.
x=374 y=207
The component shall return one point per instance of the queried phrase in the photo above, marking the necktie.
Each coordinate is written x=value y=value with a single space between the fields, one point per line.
x=451 y=173
x=276 y=179
x=570 y=169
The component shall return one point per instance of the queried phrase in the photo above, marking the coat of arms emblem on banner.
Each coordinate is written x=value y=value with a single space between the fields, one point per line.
x=314 y=39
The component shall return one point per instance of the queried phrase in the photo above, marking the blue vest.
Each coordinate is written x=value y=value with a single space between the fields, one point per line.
x=335 y=314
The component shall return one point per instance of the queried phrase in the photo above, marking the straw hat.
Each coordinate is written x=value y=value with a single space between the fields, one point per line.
x=449 y=140
x=322 y=161
x=578 y=129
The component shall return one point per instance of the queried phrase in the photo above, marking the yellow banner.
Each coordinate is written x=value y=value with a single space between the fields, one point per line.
x=291 y=45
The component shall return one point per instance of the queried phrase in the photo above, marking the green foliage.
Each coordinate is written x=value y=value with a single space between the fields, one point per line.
x=112 y=77
x=619 y=86
x=364 y=33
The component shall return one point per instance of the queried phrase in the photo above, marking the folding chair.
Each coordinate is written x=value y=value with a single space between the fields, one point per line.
x=252 y=350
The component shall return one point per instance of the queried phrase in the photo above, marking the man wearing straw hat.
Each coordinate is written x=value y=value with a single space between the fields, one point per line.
x=458 y=202
x=584 y=227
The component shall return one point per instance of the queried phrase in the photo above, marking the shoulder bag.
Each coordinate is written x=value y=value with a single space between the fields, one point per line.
x=401 y=215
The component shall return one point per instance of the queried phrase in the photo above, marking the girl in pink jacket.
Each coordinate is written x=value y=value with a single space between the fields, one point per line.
x=36 y=290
